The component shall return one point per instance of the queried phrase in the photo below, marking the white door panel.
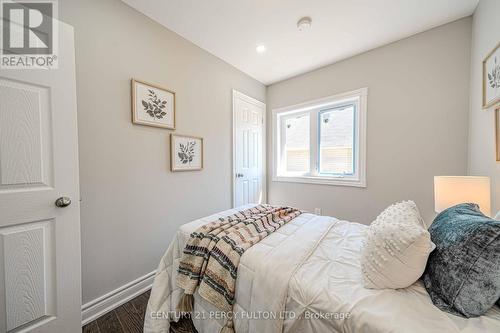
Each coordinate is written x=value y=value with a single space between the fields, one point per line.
x=248 y=150
x=40 y=288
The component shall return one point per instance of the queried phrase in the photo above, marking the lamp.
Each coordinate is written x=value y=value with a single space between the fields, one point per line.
x=453 y=190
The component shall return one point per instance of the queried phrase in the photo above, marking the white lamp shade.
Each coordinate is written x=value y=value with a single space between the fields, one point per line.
x=452 y=190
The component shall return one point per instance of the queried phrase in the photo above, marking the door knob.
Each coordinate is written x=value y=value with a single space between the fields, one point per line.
x=63 y=202
x=239 y=175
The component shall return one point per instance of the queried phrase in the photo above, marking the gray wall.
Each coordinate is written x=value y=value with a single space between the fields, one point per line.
x=131 y=203
x=417 y=121
x=485 y=36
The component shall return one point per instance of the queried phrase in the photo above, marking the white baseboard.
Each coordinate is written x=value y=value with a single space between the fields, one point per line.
x=101 y=305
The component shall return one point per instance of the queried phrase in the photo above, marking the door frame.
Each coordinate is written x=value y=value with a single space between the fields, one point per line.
x=239 y=95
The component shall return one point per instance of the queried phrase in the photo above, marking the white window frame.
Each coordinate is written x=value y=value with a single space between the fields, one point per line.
x=313 y=108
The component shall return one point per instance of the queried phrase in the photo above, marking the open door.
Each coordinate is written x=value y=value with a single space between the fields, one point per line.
x=40 y=289
x=249 y=177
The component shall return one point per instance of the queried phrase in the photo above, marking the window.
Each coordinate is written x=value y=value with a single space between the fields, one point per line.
x=297 y=143
x=322 y=141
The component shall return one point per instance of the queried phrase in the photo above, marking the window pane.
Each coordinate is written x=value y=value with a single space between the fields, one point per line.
x=297 y=144
x=337 y=140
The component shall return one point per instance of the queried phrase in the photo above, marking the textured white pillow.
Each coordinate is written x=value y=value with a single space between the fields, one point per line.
x=396 y=248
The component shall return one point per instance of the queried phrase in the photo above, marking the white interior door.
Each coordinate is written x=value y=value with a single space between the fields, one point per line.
x=40 y=243
x=248 y=150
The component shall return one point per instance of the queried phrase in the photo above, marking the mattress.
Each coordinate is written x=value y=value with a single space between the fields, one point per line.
x=306 y=277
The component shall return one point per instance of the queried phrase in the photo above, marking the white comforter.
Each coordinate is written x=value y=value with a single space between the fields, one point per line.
x=306 y=278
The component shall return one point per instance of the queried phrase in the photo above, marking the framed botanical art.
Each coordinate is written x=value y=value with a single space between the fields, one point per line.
x=186 y=153
x=152 y=105
x=491 y=78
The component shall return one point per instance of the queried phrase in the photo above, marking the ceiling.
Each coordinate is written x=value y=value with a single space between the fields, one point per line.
x=231 y=29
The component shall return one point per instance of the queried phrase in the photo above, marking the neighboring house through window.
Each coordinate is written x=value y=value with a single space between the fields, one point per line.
x=322 y=141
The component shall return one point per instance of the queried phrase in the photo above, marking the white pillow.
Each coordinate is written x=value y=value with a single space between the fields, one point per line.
x=396 y=248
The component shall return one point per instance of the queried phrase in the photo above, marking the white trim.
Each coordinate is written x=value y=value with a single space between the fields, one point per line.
x=360 y=180
x=242 y=96
x=110 y=301
x=324 y=101
x=338 y=181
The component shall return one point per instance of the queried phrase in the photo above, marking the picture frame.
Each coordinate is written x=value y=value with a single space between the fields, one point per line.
x=186 y=153
x=497 y=133
x=152 y=105
x=491 y=78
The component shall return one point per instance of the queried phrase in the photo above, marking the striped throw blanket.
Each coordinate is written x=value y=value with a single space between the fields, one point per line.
x=212 y=254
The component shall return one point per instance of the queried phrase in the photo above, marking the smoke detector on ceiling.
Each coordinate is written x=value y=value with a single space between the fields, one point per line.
x=304 y=24
x=261 y=48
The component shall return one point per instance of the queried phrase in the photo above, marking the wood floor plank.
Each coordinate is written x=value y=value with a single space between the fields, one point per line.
x=109 y=323
x=184 y=325
x=91 y=327
x=140 y=304
x=130 y=318
x=145 y=298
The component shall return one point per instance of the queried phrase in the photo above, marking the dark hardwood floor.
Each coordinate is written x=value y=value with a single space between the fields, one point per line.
x=129 y=318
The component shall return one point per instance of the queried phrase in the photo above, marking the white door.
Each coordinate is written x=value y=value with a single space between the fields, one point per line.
x=40 y=243
x=248 y=150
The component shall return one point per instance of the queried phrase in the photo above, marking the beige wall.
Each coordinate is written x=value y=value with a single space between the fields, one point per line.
x=485 y=36
x=131 y=203
x=417 y=121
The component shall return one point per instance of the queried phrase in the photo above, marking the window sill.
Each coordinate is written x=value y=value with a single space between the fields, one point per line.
x=334 y=181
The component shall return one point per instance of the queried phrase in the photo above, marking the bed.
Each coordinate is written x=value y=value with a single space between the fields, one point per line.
x=305 y=277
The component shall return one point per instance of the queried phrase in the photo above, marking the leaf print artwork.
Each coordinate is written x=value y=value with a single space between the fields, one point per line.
x=152 y=105
x=186 y=152
x=155 y=107
x=494 y=75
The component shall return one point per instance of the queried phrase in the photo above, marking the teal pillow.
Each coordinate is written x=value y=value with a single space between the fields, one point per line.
x=462 y=275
